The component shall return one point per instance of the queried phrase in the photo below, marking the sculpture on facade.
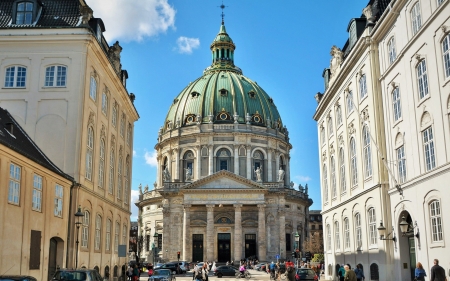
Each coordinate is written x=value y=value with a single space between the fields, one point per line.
x=146 y=188
x=166 y=174
x=140 y=189
x=280 y=174
x=188 y=173
x=300 y=187
x=258 y=174
x=336 y=60
x=306 y=189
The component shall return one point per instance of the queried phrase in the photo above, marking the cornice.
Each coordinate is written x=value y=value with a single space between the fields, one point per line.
x=114 y=205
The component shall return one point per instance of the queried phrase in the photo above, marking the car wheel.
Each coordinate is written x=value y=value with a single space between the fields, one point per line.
x=174 y=272
x=219 y=275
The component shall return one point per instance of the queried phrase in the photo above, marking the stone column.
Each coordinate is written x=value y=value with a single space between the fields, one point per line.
x=211 y=159
x=294 y=231
x=282 y=231
x=187 y=243
x=269 y=165
x=287 y=176
x=199 y=163
x=262 y=253
x=249 y=163
x=166 y=233
x=237 y=232
x=236 y=159
x=210 y=233
x=177 y=165
x=277 y=161
x=159 y=180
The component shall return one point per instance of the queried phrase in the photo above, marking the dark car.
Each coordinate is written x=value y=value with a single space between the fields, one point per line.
x=80 y=274
x=172 y=266
x=17 y=278
x=225 y=270
x=162 y=275
x=306 y=273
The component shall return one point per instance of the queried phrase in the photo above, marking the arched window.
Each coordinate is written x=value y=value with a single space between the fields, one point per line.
x=422 y=79
x=114 y=115
x=346 y=234
x=328 y=238
x=374 y=272
x=322 y=135
x=358 y=232
x=116 y=236
x=85 y=230
x=401 y=164
x=129 y=134
x=372 y=227
x=349 y=102
x=339 y=115
x=330 y=126
x=367 y=153
x=391 y=50
x=101 y=164
x=325 y=182
x=15 y=77
x=112 y=163
x=396 y=104
x=122 y=125
x=416 y=18
x=108 y=235
x=98 y=228
x=55 y=76
x=258 y=161
x=89 y=153
x=105 y=104
x=93 y=89
x=337 y=241
x=428 y=147
x=333 y=177
x=446 y=52
x=362 y=86
x=127 y=180
x=119 y=178
x=354 y=163
x=124 y=234
x=223 y=157
x=436 y=221
x=342 y=170
x=188 y=164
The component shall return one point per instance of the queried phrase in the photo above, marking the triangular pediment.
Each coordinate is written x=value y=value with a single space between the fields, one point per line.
x=224 y=180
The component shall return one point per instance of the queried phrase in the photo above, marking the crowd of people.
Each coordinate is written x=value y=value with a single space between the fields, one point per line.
x=437 y=272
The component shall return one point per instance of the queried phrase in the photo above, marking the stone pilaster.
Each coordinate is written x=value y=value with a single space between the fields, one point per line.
x=177 y=165
x=166 y=232
x=199 y=163
x=187 y=243
x=262 y=247
x=249 y=163
x=237 y=232
x=282 y=231
x=277 y=160
x=210 y=159
x=287 y=176
x=269 y=165
x=159 y=178
x=210 y=232
x=236 y=159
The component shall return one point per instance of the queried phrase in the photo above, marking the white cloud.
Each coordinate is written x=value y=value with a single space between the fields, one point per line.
x=133 y=20
x=134 y=195
x=187 y=45
x=134 y=152
x=134 y=209
x=302 y=178
x=150 y=158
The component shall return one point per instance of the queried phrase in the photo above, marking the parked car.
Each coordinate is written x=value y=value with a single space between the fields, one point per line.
x=172 y=266
x=184 y=266
x=225 y=270
x=17 y=278
x=306 y=273
x=162 y=275
x=80 y=274
x=260 y=267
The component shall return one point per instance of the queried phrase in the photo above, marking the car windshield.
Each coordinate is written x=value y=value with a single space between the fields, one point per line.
x=70 y=276
x=303 y=271
x=162 y=272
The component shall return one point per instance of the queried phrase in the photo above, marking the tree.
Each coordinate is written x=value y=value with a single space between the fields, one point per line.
x=314 y=243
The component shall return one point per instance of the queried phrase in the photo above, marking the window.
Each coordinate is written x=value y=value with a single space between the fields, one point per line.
x=337 y=242
x=396 y=104
x=101 y=164
x=105 y=104
x=98 y=227
x=24 y=13
x=108 y=235
x=119 y=178
x=391 y=50
x=362 y=86
x=89 y=153
x=127 y=181
x=328 y=237
x=325 y=184
x=367 y=153
x=333 y=177
x=111 y=171
x=401 y=164
x=58 y=80
x=223 y=165
x=85 y=232
x=15 y=77
x=349 y=102
x=37 y=193
x=93 y=89
x=339 y=115
x=114 y=116
x=124 y=234
x=422 y=79
x=372 y=227
x=439 y=2
x=446 y=51
x=354 y=167
x=129 y=134
x=342 y=170
x=330 y=127
x=346 y=233
x=436 y=221
x=116 y=237
x=358 y=232
x=416 y=18
x=14 y=184
x=322 y=135
x=428 y=146
x=122 y=125
x=59 y=192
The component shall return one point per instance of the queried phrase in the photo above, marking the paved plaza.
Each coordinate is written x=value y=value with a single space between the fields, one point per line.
x=256 y=276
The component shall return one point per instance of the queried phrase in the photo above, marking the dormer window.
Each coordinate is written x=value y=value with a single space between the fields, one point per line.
x=24 y=13
x=251 y=94
x=223 y=93
x=195 y=95
x=99 y=33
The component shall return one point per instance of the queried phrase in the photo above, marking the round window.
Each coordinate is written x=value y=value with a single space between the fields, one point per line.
x=257 y=119
x=223 y=116
x=190 y=119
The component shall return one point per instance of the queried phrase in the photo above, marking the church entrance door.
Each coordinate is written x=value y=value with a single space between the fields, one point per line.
x=250 y=245
x=223 y=247
x=197 y=247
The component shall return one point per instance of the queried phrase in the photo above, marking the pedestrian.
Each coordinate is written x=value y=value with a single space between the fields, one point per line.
x=419 y=272
x=341 y=273
x=349 y=274
x=205 y=272
x=227 y=263
x=130 y=273
x=359 y=272
x=437 y=273
x=135 y=273
x=213 y=268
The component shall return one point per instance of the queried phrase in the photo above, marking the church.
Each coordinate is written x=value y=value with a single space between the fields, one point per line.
x=223 y=189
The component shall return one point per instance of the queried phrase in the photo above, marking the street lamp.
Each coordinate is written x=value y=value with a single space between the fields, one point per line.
x=78 y=216
x=381 y=230
x=139 y=241
x=297 y=245
x=155 y=245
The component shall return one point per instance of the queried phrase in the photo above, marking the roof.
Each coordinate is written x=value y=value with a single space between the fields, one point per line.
x=19 y=141
x=53 y=13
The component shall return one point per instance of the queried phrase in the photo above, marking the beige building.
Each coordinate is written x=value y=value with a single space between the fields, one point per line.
x=223 y=189
x=34 y=212
x=68 y=91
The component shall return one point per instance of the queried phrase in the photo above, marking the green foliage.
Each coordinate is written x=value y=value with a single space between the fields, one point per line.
x=318 y=258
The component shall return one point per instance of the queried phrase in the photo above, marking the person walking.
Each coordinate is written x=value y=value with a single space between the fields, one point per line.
x=349 y=274
x=359 y=272
x=437 y=273
x=419 y=272
x=341 y=273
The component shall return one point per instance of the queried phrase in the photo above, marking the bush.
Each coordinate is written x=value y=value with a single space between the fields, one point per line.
x=317 y=258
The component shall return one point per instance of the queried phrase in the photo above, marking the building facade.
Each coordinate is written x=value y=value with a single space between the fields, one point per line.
x=223 y=189
x=315 y=226
x=68 y=91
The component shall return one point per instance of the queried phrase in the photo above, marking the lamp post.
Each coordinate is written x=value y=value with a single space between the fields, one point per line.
x=78 y=216
x=155 y=245
x=139 y=241
x=297 y=246
x=382 y=230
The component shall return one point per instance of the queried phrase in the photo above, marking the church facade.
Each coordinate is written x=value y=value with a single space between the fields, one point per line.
x=223 y=189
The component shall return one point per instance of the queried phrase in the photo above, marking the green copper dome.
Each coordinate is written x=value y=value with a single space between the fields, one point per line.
x=223 y=95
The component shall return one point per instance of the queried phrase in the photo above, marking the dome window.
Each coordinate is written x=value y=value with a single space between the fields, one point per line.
x=223 y=115
x=223 y=92
x=195 y=95
x=175 y=101
x=271 y=100
x=252 y=94
x=190 y=118
x=257 y=118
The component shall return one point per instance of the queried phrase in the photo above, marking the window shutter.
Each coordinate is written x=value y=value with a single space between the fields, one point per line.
x=35 y=249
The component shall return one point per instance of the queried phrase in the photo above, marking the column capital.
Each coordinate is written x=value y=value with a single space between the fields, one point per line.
x=187 y=206
x=210 y=208
x=237 y=206
x=261 y=207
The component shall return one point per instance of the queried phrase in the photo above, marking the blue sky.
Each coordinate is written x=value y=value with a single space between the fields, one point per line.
x=282 y=45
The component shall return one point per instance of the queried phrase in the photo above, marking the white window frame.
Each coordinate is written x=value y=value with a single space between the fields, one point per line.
x=27 y=13
x=322 y=135
x=16 y=77
x=337 y=238
x=339 y=115
x=391 y=50
x=439 y=2
x=98 y=228
x=401 y=161
x=328 y=237
x=108 y=235
x=330 y=127
x=358 y=231
x=343 y=180
x=124 y=234
x=325 y=182
x=56 y=81
x=14 y=184
x=85 y=229
x=354 y=162
x=436 y=221
x=105 y=104
x=446 y=54
x=333 y=177
x=89 y=153
x=112 y=160
x=372 y=226
x=116 y=237
x=59 y=195
x=119 y=178
x=37 y=193
x=122 y=125
x=396 y=104
x=362 y=86
x=346 y=234
x=93 y=89
x=114 y=116
x=416 y=19
x=101 y=164
x=428 y=148
x=367 y=152
x=350 y=103
x=127 y=181
x=422 y=79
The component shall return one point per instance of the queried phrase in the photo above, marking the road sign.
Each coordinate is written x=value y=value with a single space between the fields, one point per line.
x=277 y=256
